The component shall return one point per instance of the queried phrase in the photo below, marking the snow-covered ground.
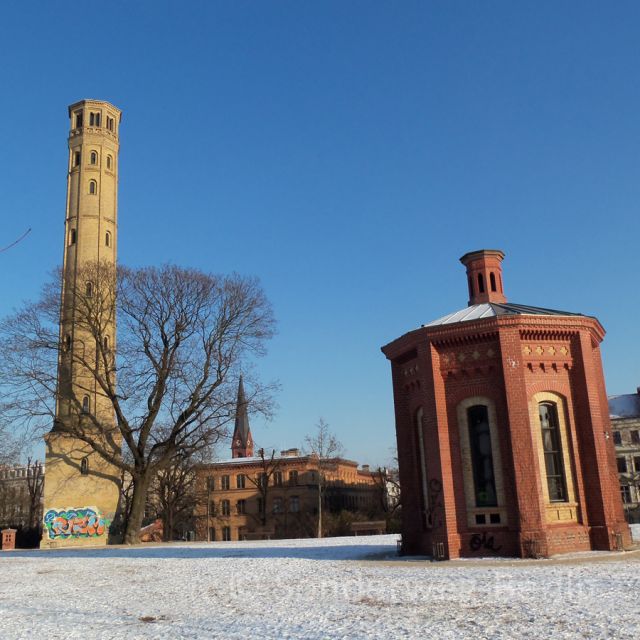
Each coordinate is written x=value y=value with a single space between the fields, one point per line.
x=310 y=589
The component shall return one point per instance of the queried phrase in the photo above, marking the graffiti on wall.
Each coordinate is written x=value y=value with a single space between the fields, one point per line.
x=85 y=522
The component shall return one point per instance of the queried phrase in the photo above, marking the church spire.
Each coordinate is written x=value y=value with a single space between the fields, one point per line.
x=242 y=442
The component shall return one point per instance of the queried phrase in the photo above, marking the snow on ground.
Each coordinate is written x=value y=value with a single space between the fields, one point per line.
x=313 y=590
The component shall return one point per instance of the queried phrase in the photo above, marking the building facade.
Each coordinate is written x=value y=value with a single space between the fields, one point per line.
x=266 y=496
x=21 y=495
x=625 y=422
x=504 y=440
x=81 y=489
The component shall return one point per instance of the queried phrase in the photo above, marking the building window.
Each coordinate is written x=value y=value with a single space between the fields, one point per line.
x=212 y=534
x=93 y=158
x=481 y=456
x=226 y=534
x=76 y=158
x=294 y=504
x=636 y=464
x=277 y=505
x=78 y=117
x=263 y=480
x=241 y=507
x=105 y=343
x=211 y=483
x=277 y=478
x=551 y=446
x=107 y=238
x=492 y=280
x=225 y=507
x=72 y=237
x=293 y=478
x=224 y=483
x=622 y=464
x=240 y=481
x=84 y=466
x=470 y=288
x=261 y=506
x=94 y=119
x=66 y=343
x=93 y=187
x=617 y=438
x=422 y=469
x=625 y=492
x=88 y=290
x=109 y=123
x=86 y=404
x=635 y=436
x=109 y=161
x=480 y=283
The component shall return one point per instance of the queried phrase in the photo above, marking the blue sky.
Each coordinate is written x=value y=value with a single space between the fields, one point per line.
x=347 y=153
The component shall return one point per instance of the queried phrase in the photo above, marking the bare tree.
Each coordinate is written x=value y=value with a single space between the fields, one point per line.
x=167 y=391
x=269 y=466
x=326 y=447
x=35 y=485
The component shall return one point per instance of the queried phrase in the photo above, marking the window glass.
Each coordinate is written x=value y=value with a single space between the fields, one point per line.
x=552 y=452
x=240 y=481
x=617 y=438
x=224 y=483
x=622 y=465
x=481 y=456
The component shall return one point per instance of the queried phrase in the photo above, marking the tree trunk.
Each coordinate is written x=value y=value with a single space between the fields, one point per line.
x=136 y=514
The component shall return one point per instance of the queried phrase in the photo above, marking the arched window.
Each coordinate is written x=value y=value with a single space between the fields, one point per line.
x=422 y=468
x=94 y=119
x=481 y=456
x=492 y=279
x=72 y=237
x=480 y=283
x=93 y=158
x=86 y=404
x=105 y=343
x=93 y=187
x=551 y=445
x=84 y=466
x=88 y=290
x=76 y=158
x=109 y=161
x=470 y=288
x=66 y=343
x=107 y=238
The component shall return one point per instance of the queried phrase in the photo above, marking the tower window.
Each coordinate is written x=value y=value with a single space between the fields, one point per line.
x=66 y=343
x=109 y=162
x=93 y=187
x=492 y=280
x=480 y=283
x=76 y=158
x=470 y=288
x=554 y=466
x=86 y=404
x=88 y=291
x=93 y=158
x=72 y=237
x=105 y=343
x=94 y=119
x=78 y=118
x=109 y=123
x=84 y=466
x=481 y=456
x=107 y=238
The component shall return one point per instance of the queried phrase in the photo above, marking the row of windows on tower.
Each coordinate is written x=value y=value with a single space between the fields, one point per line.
x=481 y=283
x=95 y=120
x=66 y=343
x=73 y=237
x=93 y=159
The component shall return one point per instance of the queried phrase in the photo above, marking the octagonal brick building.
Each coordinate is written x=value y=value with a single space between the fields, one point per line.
x=504 y=440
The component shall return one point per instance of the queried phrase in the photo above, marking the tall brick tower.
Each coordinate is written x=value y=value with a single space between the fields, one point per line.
x=81 y=491
x=504 y=440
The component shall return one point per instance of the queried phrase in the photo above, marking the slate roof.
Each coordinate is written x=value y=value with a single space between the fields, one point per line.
x=625 y=406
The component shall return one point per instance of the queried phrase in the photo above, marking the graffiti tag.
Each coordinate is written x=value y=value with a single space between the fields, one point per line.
x=86 y=522
x=483 y=541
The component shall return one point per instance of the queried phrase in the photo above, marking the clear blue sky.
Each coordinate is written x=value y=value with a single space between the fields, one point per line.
x=347 y=153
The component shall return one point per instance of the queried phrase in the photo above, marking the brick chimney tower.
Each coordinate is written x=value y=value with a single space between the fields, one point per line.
x=484 y=275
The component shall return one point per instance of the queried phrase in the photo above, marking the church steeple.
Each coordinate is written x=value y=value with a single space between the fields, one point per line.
x=242 y=442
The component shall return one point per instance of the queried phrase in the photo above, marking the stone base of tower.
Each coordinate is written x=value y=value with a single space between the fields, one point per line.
x=81 y=494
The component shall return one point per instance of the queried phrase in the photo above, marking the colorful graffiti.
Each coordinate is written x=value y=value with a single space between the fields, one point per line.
x=86 y=522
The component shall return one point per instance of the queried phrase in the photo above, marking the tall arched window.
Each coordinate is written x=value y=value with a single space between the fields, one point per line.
x=492 y=280
x=105 y=343
x=109 y=161
x=93 y=158
x=86 y=404
x=93 y=187
x=88 y=290
x=422 y=467
x=481 y=456
x=107 y=238
x=480 y=283
x=551 y=445
x=72 y=237
x=84 y=466
x=66 y=343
